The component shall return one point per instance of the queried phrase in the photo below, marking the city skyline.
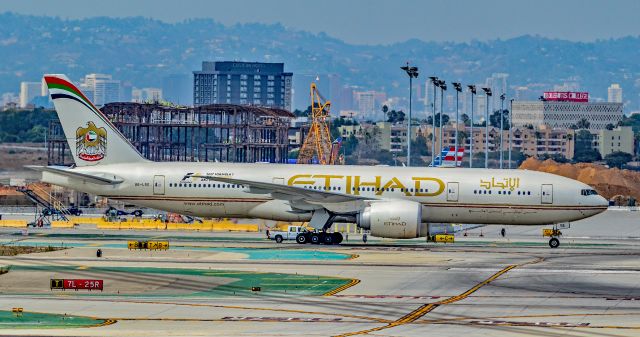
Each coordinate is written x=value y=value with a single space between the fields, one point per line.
x=376 y=22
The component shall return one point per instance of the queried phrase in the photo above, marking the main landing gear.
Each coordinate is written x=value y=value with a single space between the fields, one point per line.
x=317 y=238
x=322 y=220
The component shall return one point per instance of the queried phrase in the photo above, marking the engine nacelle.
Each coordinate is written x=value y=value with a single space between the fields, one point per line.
x=392 y=219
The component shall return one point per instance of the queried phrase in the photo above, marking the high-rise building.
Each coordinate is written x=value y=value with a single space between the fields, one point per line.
x=250 y=83
x=29 y=91
x=614 y=93
x=177 y=88
x=366 y=102
x=101 y=89
x=329 y=85
x=142 y=95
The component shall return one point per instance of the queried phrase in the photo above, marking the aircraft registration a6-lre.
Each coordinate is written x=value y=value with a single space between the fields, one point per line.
x=391 y=202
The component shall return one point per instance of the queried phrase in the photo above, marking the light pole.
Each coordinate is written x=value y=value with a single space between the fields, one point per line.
x=413 y=73
x=510 y=114
x=458 y=88
x=435 y=82
x=472 y=88
x=502 y=97
x=487 y=92
x=443 y=88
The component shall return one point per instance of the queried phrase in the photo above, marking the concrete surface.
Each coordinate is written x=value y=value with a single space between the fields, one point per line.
x=478 y=286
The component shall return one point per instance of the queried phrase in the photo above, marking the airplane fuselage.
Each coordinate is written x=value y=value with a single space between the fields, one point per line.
x=479 y=196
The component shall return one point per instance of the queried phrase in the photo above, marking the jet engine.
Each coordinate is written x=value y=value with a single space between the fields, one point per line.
x=392 y=219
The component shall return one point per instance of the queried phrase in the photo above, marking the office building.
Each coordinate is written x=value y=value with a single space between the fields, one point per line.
x=142 y=95
x=530 y=141
x=101 y=89
x=618 y=139
x=566 y=114
x=244 y=83
x=614 y=93
x=29 y=91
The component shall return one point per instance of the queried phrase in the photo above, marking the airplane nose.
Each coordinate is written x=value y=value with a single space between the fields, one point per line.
x=602 y=201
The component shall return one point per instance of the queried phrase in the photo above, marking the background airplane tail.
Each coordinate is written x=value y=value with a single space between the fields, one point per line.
x=447 y=158
x=92 y=138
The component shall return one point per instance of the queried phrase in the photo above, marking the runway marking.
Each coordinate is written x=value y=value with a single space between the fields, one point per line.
x=351 y=283
x=426 y=308
x=265 y=319
x=374 y=319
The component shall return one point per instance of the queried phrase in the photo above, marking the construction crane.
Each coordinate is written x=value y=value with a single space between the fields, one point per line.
x=317 y=146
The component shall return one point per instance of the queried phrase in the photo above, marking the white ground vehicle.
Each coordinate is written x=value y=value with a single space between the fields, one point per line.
x=291 y=233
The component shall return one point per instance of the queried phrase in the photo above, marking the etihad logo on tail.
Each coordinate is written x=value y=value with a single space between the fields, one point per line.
x=91 y=142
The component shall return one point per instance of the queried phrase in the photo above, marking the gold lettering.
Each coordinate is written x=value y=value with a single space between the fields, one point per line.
x=357 y=183
x=394 y=183
x=294 y=180
x=419 y=180
x=348 y=188
x=327 y=179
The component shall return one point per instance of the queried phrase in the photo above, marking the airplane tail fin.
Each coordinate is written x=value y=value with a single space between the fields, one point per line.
x=92 y=138
x=447 y=158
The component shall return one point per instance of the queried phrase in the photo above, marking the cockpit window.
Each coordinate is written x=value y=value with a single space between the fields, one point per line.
x=588 y=192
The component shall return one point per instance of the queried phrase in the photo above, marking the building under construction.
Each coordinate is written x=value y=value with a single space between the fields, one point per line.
x=217 y=132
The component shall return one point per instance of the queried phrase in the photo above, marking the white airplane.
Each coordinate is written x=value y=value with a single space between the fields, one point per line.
x=391 y=202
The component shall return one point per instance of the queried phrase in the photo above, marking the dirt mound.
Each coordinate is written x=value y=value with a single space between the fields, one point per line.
x=609 y=182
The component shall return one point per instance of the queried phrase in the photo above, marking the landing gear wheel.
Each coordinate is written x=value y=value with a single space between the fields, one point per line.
x=279 y=238
x=554 y=243
x=301 y=239
x=337 y=238
x=315 y=239
x=328 y=239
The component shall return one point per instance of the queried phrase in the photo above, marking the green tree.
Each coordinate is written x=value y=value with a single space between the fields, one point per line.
x=584 y=151
x=394 y=116
x=466 y=120
x=445 y=120
x=617 y=159
x=419 y=147
x=583 y=124
x=30 y=126
x=494 y=119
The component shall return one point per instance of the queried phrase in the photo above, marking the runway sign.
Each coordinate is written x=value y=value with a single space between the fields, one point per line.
x=57 y=283
x=446 y=238
x=153 y=245
x=77 y=284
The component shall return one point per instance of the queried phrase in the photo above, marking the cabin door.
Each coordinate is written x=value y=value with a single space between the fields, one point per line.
x=546 y=194
x=452 y=191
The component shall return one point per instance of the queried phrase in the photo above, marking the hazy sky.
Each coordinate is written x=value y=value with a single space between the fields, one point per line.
x=378 y=21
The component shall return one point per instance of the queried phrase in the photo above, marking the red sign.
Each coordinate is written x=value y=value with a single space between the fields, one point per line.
x=566 y=96
x=76 y=284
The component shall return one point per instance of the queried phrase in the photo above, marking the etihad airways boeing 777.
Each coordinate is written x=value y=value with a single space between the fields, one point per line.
x=392 y=202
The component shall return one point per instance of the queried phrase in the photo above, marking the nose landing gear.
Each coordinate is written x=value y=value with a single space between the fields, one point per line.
x=554 y=236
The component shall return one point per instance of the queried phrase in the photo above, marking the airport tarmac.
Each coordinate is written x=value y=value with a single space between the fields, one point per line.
x=202 y=285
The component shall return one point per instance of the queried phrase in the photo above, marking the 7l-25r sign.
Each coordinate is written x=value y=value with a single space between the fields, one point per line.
x=76 y=284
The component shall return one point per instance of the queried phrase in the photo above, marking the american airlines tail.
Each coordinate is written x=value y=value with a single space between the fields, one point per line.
x=92 y=129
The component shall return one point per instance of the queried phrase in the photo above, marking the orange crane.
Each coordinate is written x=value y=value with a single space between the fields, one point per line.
x=317 y=143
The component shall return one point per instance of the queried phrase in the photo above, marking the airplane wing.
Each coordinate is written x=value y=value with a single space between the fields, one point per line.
x=298 y=196
x=96 y=178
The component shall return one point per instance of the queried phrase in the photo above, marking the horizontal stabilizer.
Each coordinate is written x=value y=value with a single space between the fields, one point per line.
x=95 y=178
